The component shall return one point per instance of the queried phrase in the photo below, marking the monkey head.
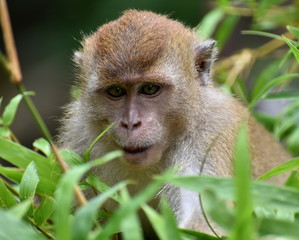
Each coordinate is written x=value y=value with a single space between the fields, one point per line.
x=140 y=72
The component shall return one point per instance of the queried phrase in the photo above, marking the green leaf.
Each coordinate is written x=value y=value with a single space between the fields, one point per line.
x=64 y=197
x=225 y=29
x=29 y=182
x=171 y=229
x=43 y=145
x=64 y=194
x=13 y=174
x=294 y=31
x=86 y=154
x=260 y=33
x=130 y=226
x=125 y=209
x=44 y=211
x=10 y=110
x=243 y=226
x=223 y=3
x=266 y=5
x=283 y=95
x=208 y=24
x=287 y=119
x=262 y=93
x=293 y=48
x=293 y=142
x=21 y=209
x=71 y=158
x=85 y=217
x=273 y=227
x=157 y=221
x=189 y=234
x=102 y=187
x=14 y=228
x=270 y=71
x=263 y=194
x=285 y=167
x=222 y=215
x=293 y=180
x=48 y=170
x=7 y=199
x=4 y=131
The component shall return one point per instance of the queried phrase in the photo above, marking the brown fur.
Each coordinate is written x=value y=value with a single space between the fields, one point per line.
x=190 y=123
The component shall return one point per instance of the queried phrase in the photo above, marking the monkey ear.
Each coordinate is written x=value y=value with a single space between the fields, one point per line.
x=205 y=55
x=78 y=58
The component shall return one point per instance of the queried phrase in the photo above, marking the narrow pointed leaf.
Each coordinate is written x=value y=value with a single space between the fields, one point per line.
x=16 y=229
x=29 y=182
x=7 y=199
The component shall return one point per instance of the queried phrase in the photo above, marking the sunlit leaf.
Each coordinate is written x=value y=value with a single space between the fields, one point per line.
x=11 y=109
x=43 y=145
x=20 y=156
x=71 y=158
x=29 y=182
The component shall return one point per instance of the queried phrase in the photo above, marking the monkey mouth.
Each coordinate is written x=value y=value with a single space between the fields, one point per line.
x=135 y=150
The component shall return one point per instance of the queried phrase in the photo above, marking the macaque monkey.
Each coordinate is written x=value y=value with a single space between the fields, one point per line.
x=152 y=77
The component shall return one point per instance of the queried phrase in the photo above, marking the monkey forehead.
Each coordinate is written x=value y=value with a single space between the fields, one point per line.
x=134 y=42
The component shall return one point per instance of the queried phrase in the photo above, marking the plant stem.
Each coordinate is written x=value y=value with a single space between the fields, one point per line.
x=10 y=44
x=38 y=119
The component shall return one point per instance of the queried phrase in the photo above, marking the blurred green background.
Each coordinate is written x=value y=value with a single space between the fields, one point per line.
x=47 y=32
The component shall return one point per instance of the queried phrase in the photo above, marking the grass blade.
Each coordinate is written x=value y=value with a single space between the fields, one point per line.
x=262 y=93
x=293 y=48
x=101 y=186
x=48 y=170
x=44 y=211
x=43 y=145
x=7 y=200
x=29 y=182
x=85 y=217
x=285 y=167
x=243 y=227
x=14 y=228
x=11 y=109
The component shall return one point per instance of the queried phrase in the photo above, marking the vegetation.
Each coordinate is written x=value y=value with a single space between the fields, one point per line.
x=37 y=193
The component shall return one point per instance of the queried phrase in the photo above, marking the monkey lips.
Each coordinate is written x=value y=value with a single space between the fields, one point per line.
x=141 y=156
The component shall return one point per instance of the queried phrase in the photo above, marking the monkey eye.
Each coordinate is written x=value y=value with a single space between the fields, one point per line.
x=149 y=89
x=116 y=91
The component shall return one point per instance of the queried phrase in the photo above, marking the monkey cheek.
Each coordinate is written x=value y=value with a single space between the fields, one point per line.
x=145 y=158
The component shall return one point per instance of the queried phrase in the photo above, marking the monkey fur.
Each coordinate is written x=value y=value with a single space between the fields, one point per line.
x=151 y=76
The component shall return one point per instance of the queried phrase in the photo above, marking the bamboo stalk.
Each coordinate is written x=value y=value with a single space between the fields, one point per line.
x=11 y=52
x=16 y=79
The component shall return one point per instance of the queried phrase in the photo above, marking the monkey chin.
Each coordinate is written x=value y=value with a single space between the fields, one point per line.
x=142 y=157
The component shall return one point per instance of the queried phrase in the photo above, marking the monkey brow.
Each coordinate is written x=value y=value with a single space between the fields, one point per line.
x=147 y=78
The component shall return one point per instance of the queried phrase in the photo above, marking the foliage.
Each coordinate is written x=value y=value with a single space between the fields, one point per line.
x=37 y=195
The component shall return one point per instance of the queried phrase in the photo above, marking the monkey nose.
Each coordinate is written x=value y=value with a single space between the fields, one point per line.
x=130 y=125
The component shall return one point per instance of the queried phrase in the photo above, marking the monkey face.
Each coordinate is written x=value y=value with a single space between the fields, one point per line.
x=141 y=128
